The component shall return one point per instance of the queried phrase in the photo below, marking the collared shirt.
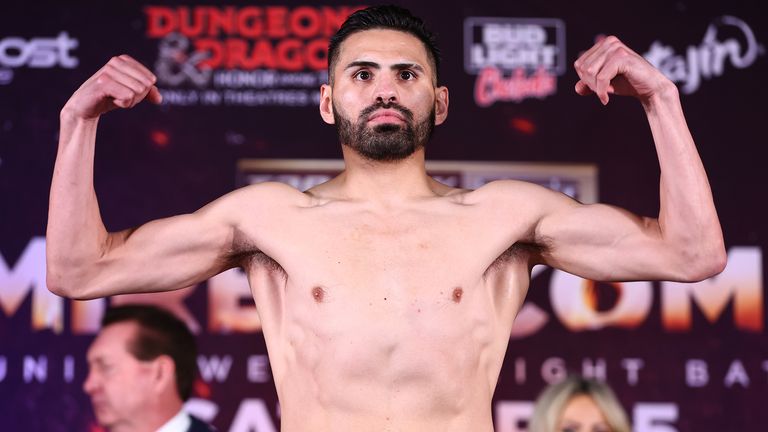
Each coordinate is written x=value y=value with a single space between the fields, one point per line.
x=179 y=423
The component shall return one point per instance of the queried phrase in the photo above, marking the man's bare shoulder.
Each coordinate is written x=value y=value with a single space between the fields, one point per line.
x=280 y=192
x=509 y=192
x=272 y=196
x=516 y=207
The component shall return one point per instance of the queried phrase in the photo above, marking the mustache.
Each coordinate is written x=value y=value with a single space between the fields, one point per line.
x=408 y=114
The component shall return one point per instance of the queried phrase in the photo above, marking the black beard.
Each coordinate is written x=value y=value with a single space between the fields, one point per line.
x=384 y=142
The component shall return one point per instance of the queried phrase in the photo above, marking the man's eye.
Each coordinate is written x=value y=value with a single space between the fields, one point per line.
x=407 y=75
x=363 y=75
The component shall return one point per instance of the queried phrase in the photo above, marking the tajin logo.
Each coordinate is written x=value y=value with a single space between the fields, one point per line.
x=707 y=60
x=531 y=51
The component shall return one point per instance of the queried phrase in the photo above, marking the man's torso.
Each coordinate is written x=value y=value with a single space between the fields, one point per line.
x=379 y=317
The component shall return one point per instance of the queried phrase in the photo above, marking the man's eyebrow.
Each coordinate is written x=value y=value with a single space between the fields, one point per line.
x=395 y=67
x=363 y=63
x=401 y=66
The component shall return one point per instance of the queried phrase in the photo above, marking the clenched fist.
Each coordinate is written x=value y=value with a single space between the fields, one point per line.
x=121 y=83
x=610 y=67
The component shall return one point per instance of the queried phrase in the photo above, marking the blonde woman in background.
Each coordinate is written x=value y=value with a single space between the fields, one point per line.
x=578 y=404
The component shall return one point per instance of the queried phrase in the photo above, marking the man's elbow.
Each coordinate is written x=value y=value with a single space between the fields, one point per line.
x=718 y=261
x=56 y=284
x=64 y=285
x=705 y=262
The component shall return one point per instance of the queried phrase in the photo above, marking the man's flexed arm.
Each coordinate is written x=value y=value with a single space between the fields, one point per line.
x=685 y=242
x=83 y=259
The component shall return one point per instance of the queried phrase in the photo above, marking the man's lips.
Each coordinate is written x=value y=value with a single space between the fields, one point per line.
x=99 y=405
x=386 y=116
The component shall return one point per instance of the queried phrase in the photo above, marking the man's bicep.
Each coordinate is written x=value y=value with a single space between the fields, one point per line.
x=184 y=250
x=162 y=255
x=604 y=242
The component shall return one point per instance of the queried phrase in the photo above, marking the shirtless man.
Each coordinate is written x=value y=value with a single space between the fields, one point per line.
x=386 y=298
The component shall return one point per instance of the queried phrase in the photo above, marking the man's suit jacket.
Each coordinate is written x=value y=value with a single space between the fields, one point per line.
x=198 y=425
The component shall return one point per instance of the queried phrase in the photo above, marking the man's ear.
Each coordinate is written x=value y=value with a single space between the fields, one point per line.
x=441 y=104
x=326 y=104
x=164 y=373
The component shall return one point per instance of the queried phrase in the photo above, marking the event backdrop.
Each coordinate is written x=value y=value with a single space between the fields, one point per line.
x=240 y=82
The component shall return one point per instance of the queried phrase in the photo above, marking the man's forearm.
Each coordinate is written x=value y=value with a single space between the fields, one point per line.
x=75 y=235
x=687 y=214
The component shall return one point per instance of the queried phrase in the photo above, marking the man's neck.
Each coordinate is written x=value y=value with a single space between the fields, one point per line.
x=385 y=182
x=150 y=420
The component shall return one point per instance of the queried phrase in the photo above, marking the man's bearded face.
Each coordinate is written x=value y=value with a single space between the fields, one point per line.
x=385 y=142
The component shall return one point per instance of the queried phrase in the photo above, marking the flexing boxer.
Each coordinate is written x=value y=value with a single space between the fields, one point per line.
x=386 y=298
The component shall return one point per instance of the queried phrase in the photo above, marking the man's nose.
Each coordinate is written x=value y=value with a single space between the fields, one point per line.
x=386 y=89
x=89 y=385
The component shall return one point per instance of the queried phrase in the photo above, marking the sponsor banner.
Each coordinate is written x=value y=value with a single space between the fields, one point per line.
x=37 y=53
x=242 y=55
x=728 y=41
x=529 y=51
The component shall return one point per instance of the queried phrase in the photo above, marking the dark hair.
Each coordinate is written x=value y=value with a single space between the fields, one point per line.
x=387 y=17
x=160 y=333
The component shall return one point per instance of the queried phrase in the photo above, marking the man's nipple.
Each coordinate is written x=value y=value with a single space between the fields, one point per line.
x=318 y=294
x=457 y=294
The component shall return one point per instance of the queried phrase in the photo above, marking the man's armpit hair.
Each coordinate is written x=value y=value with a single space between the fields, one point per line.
x=537 y=249
x=521 y=251
x=240 y=251
x=245 y=254
x=540 y=245
x=265 y=261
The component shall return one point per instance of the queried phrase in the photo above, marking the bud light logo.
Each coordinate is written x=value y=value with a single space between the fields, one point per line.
x=514 y=58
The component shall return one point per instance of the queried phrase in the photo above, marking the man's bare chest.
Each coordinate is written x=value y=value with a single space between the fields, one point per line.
x=342 y=280
x=407 y=250
x=407 y=258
